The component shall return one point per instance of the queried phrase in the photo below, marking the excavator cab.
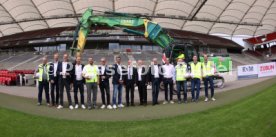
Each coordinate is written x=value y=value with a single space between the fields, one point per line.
x=186 y=51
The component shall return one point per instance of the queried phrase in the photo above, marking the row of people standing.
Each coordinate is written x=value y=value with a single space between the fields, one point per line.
x=60 y=75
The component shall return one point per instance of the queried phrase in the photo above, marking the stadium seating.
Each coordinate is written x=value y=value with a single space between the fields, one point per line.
x=255 y=53
x=9 y=77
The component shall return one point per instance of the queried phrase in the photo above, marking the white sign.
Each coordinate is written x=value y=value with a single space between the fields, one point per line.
x=267 y=69
x=248 y=71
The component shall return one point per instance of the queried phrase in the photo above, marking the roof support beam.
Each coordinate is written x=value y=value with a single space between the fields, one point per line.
x=113 y=5
x=199 y=8
x=2 y=33
x=220 y=16
x=40 y=13
x=74 y=10
x=11 y=17
x=243 y=16
x=272 y=2
x=166 y=17
x=185 y=21
x=154 y=8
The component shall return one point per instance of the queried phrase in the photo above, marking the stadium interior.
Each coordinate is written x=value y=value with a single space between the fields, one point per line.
x=239 y=35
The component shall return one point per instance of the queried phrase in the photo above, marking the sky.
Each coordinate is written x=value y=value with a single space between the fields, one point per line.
x=237 y=39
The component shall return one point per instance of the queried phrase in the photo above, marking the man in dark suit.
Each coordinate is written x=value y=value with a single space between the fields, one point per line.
x=65 y=72
x=117 y=81
x=142 y=81
x=104 y=75
x=78 y=82
x=54 y=76
x=130 y=80
x=155 y=77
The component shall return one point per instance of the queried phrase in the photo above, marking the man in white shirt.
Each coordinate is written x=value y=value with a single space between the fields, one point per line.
x=168 y=80
x=91 y=74
x=142 y=81
x=78 y=83
x=65 y=72
x=54 y=76
x=104 y=84
x=130 y=83
x=155 y=79
x=117 y=81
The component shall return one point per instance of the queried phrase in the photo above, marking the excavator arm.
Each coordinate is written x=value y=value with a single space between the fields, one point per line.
x=152 y=31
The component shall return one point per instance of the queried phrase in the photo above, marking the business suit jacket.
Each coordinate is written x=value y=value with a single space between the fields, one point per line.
x=107 y=74
x=144 y=77
x=134 y=76
x=69 y=69
x=151 y=72
x=51 y=71
x=73 y=74
x=116 y=76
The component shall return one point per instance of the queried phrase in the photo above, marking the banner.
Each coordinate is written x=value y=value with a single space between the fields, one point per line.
x=267 y=69
x=248 y=71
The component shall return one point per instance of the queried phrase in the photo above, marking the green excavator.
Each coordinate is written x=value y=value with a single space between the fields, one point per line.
x=152 y=32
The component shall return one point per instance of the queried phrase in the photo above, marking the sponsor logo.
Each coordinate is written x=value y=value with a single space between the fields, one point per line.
x=267 y=68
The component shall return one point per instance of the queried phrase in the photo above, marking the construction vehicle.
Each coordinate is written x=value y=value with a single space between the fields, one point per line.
x=152 y=32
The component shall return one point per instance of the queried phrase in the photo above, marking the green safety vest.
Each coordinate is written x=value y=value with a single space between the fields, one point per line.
x=196 y=69
x=207 y=69
x=180 y=72
x=40 y=71
x=90 y=70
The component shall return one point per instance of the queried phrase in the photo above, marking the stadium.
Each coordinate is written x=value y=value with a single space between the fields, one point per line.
x=71 y=44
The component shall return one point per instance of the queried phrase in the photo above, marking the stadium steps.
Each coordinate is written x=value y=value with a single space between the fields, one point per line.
x=21 y=63
x=256 y=59
x=10 y=61
x=31 y=63
x=243 y=59
x=130 y=57
x=4 y=59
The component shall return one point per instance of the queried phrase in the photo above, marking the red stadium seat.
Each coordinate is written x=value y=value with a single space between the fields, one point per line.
x=8 y=81
x=1 y=80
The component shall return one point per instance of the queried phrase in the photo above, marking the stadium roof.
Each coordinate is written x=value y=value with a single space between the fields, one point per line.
x=231 y=17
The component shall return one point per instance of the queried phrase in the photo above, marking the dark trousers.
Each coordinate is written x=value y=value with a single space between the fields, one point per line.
x=195 y=84
x=181 y=85
x=64 y=83
x=43 y=85
x=142 y=88
x=105 y=91
x=130 y=88
x=155 y=90
x=55 y=91
x=206 y=81
x=168 y=82
x=78 y=86
x=92 y=89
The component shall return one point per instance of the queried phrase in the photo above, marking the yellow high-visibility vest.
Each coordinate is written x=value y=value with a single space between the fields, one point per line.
x=208 y=69
x=40 y=71
x=92 y=70
x=196 y=69
x=180 y=72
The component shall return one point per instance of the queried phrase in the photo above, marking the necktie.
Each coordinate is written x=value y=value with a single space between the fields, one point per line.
x=129 y=73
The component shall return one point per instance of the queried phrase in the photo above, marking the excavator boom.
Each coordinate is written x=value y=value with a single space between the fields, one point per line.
x=152 y=31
